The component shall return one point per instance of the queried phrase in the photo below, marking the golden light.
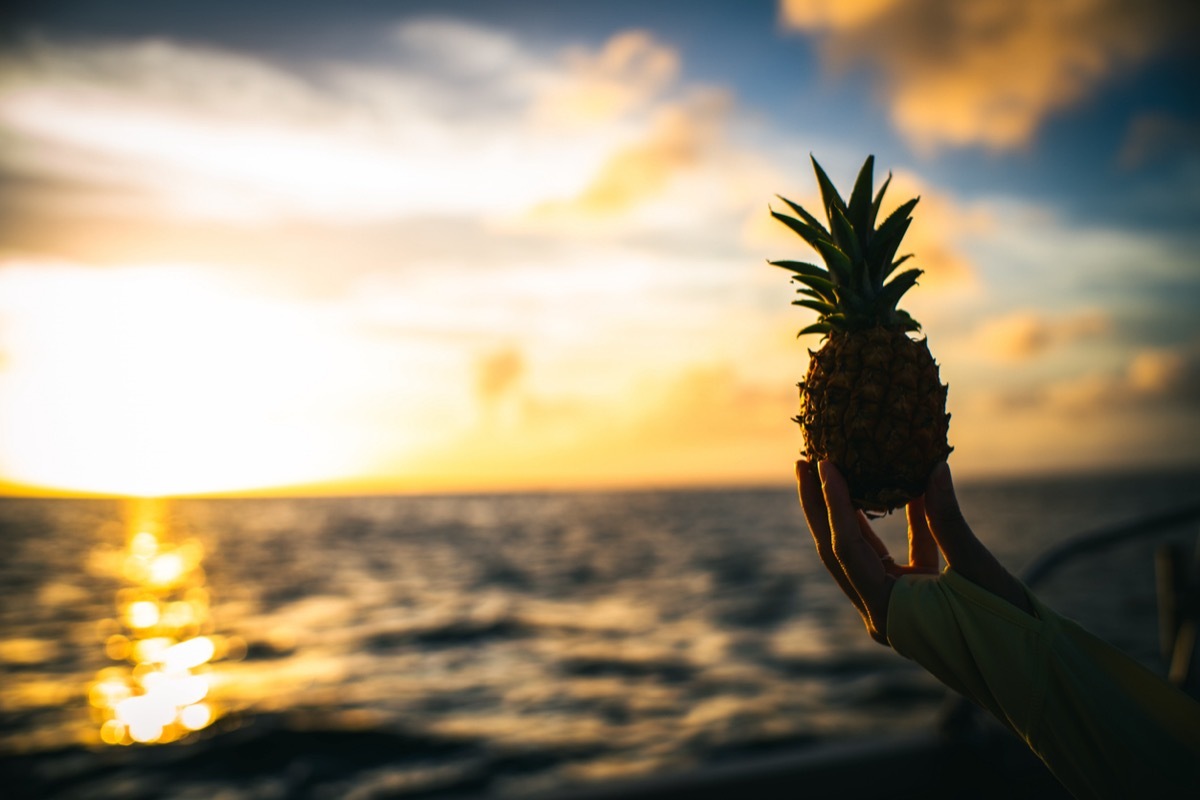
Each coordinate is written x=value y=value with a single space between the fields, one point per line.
x=112 y=732
x=149 y=651
x=179 y=614
x=166 y=569
x=116 y=647
x=145 y=717
x=153 y=381
x=143 y=544
x=178 y=689
x=189 y=654
x=109 y=692
x=142 y=614
x=196 y=716
x=166 y=639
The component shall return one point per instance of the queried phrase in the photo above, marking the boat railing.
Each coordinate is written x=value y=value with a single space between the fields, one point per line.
x=1054 y=557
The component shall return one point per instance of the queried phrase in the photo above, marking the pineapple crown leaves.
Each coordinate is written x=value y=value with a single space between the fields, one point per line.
x=852 y=290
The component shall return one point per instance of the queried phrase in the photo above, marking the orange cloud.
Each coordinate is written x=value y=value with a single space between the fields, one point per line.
x=939 y=222
x=678 y=140
x=631 y=70
x=718 y=401
x=1144 y=411
x=1166 y=373
x=836 y=14
x=1022 y=335
x=498 y=373
x=985 y=72
x=1152 y=378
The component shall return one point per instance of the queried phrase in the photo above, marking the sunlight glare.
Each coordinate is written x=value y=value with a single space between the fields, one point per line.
x=195 y=716
x=162 y=693
x=142 y=614
x=166 y=569
x=189 y=654
x=163 y=380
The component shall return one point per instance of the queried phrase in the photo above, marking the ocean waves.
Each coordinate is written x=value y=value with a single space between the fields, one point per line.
x=424 y=646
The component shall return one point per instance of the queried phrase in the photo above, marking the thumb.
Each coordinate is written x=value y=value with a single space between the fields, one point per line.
x=964 y=553
x=946 y=522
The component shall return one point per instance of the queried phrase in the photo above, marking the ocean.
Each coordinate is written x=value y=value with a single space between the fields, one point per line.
x=496 y=645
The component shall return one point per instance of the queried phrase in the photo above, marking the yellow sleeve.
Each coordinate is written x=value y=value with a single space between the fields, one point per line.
x=1105 y=725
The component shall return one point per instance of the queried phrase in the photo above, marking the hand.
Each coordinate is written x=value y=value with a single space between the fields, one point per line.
x=860 y=562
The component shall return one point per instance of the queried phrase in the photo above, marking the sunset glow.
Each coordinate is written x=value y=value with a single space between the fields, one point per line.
x=461 y=254
x=157 y=380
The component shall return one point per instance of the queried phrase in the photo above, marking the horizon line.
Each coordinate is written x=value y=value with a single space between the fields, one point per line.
x=348 y=489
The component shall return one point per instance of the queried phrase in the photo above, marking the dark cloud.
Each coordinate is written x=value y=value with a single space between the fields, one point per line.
x=1156 y=137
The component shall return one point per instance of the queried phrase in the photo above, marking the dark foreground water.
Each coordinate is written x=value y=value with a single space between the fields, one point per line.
x=503 y=645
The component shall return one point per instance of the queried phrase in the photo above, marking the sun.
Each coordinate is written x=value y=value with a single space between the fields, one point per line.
x=162 y=380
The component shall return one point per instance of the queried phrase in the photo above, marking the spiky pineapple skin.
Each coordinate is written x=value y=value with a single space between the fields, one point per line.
x=874 y=404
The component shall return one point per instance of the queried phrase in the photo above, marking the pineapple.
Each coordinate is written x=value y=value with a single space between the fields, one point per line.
x=872 y=402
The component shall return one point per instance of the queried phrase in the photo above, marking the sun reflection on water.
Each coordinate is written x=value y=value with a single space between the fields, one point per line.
x=163 y=635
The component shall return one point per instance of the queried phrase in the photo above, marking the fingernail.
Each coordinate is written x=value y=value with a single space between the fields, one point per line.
x=825 y=469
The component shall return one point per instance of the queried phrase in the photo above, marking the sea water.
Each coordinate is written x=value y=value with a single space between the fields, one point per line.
x=491 y=644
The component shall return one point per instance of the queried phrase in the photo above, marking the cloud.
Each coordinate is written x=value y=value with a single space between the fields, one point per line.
x=986 y=72
x=498 y=373
x=625 y=75
x=679 y=139
x=460 y=48
x=512 y=138
x=201 y=133
x=720 y=401
x=1152 y=378
x=165 y=130
x=1023 y=335
x=1156 y=137
x=1165 y=373
x=832 y=14
x=941 y=224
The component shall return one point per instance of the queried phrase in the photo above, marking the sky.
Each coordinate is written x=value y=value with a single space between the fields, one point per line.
x=474 y=246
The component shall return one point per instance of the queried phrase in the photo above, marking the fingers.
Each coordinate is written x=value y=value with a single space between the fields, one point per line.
x=922 y=549
x=854 y=552
x=812 y=500
x=946 y=523
x=846 y=544
x=868 y=533
x=965 y=553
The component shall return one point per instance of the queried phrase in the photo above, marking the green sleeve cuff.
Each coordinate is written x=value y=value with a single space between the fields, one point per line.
x=976 y=643
x=1105 y=725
